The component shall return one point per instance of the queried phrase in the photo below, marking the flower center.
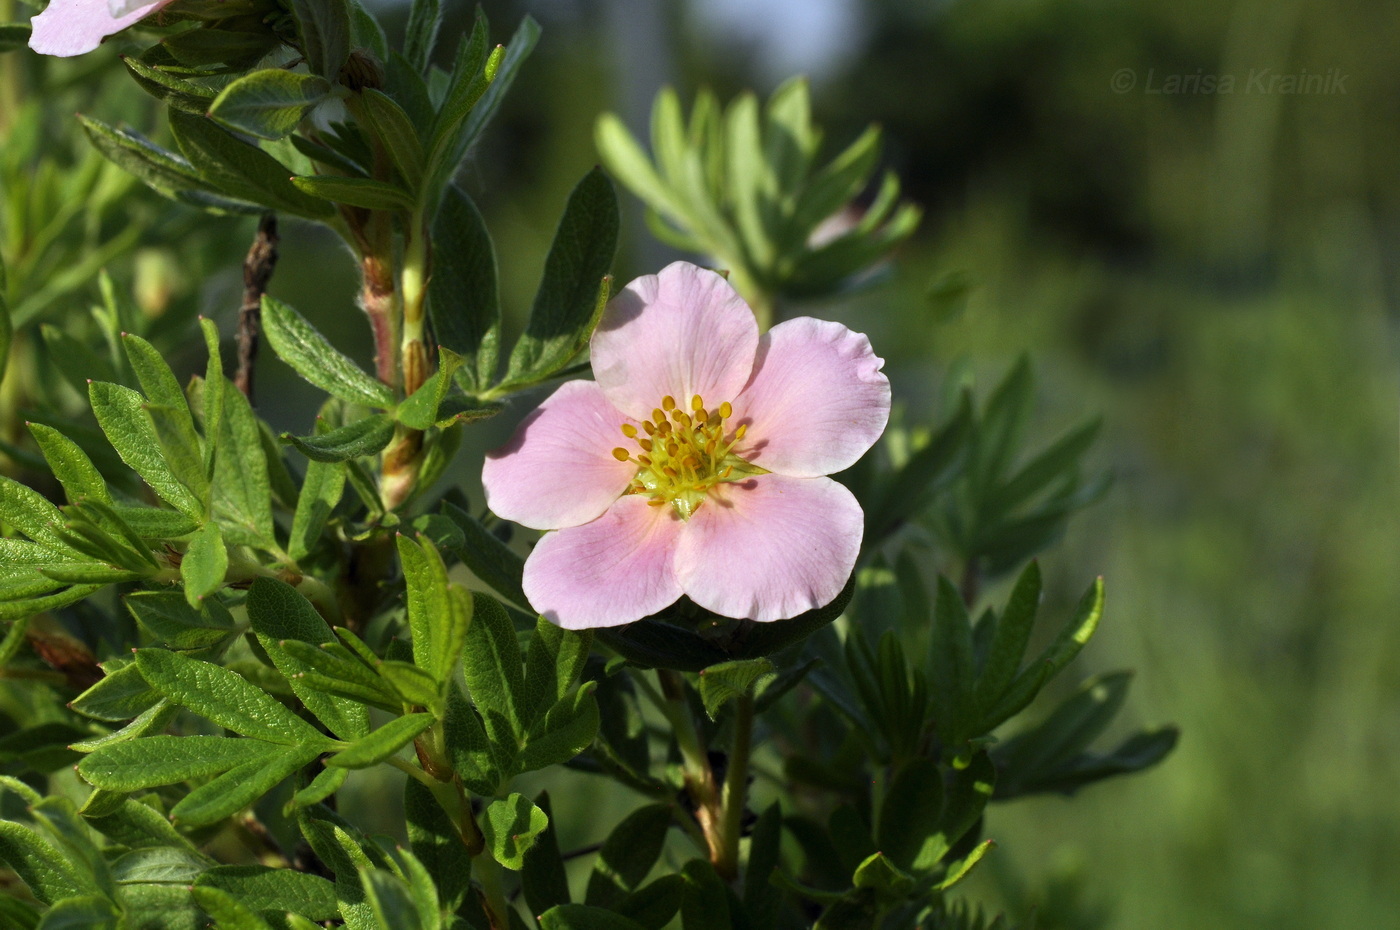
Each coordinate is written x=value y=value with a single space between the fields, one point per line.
x=684 y=454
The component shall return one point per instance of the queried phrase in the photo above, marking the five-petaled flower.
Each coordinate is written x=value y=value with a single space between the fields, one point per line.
x=74 y=27
x=696 y=463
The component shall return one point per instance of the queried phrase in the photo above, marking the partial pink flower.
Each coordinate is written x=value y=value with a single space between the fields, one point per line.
x=75 y=27
x=695 y=464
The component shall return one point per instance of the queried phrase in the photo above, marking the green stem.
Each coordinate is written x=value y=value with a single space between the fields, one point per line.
x=736 y=783
x=699 y=777
x=488 y=875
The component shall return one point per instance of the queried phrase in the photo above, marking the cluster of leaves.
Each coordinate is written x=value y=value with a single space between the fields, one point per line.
x=743 y=185
x=261 y=620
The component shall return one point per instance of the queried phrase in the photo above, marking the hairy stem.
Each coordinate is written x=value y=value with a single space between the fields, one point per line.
x=699 y=776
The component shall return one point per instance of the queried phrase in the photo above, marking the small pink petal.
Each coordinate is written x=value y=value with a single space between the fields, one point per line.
x=73 y=27
x=771 y=547
x=817 y=401
x=682 y=332
x=615 y=570
x=558 y=469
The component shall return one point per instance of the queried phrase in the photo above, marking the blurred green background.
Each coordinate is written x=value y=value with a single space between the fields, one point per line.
x=1215 y=272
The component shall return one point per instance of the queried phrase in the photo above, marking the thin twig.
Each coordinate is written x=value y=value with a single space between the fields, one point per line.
x=257 y=271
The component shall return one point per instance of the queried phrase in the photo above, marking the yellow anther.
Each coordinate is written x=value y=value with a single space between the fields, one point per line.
x=629 y=430
x=672 y=448
x=644 y=460
x=739 y=433
x=725 y=410
x=701 y=415
x=711 y=446
x=658 y=416
x=646 y=425
x=696 y=403
x=669 y=472
x=664 y=428
x=645 y=444
x=621 y=454
x=729 y=470
x=668 y=403
x=657 y=502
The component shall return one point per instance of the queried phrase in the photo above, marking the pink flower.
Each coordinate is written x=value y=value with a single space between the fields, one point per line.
x=73 y=27
x=695 y=464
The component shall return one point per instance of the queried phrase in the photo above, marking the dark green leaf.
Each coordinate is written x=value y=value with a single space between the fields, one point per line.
x=910 y=812
x=268 y=103
x=355 y=192
x=162 y=170
x=241 y=170
x=243 y=483
x=438 y=844
x=204 y=564
x=628 y=855
x=575 y=285
x=543 y=879
x=168 y=617
x=462 y=294
x=325 y=34
x=241 y=786
x=583 y=917
x=420 y=410
x=489 y=559
x=368 y=436
x=299 y=344
x=165 y=760
x=492 y=665
x=722 y=683
x=119 y=695
x=265 y=889
x=424 y=21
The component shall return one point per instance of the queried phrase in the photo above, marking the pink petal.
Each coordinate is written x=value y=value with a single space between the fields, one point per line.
x=558 y=469
x=682 y=332
x=771 y=547
x=615 y=570
x=72 y=27
x=817 y=400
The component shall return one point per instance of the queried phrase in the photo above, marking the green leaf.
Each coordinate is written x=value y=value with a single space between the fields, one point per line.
x=119 y=695
x=243 y=484
x=437 y=842
x=570 y=299
x=168 y=617
x=122 y=414
x=241 y=170
x=367 y=436
x=543 y=879
x=628 y=856
x=299 y=344
x=412 y=684
x=463 y=299
x=204 y=564
x=1011 y=635
x=382 y=743
x=242 y=785
x=491 y=663
x=965 y=800
x=420 y=410
x=720 y=684
x=910 y=813
x=269 y=103
x=151 y=523
x=437 y=625
x=424 y=21
x=390 y=900
x=227 y=912
x=964 y=868
x=1055 y=657
x=510 y=826
x=489 y=559
x=70 y=465
x=87 y=912
x=567 y=730
x=475 y=759
x=325 y=34
x=321 y=491
x=705 y=904
x=553 y=662
x=30 y=512
x=266 y=889
x=951 y=664
x=165 y=760
x=583 y=917
x=355 y=192
x=225 y=698
x=326 y=783
x=163 y=171
x=279 y=615
x=6 y=325
x=170 y=413
x=397 y=134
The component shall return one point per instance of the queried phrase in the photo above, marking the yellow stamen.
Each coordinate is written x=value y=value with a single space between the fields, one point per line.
x=629 y=430
x=621 y=454
x=725 y=411
x=696 y=403
x=668 y=403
